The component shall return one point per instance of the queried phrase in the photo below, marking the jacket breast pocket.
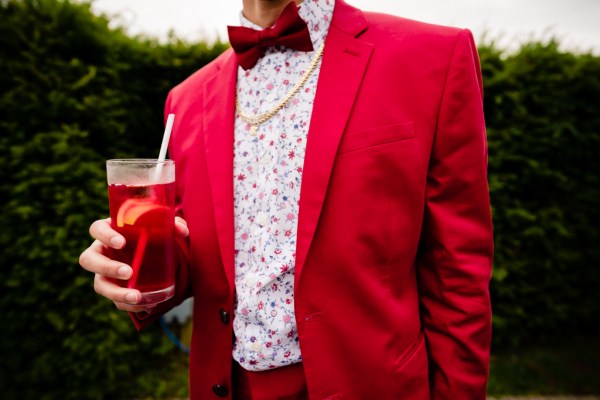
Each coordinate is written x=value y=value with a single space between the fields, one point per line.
x=352 y=141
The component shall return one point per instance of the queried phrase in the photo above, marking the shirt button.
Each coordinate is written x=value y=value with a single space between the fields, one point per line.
x=262 y=219
x=251 y=280
x=224 y=316
x=220 y=390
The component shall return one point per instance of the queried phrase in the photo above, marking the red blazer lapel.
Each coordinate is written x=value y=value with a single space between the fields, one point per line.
x=344 y=62
x=219 y=106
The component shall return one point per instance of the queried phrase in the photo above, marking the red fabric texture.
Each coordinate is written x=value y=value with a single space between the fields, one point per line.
x=285 y=383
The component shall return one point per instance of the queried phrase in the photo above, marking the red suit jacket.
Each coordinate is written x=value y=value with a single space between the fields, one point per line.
x=394 y=244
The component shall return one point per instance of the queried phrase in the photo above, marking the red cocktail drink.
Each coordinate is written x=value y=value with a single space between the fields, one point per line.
x=142 y=200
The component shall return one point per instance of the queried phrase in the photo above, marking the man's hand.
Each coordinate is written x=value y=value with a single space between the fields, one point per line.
x=94 y=260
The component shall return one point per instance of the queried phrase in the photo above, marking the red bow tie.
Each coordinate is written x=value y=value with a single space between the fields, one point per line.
x=289 y=30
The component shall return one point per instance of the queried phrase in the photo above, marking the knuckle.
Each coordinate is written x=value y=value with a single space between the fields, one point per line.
x=98 y=228
x=83 y=258
x=109 y=270
x=93 y=228
x=97 y=286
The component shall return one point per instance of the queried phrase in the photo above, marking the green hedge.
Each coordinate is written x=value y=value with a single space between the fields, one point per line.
x=74 y=92
x=543 y=136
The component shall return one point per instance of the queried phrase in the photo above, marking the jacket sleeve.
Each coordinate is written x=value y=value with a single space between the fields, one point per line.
x=456 y=249
x=182 y=278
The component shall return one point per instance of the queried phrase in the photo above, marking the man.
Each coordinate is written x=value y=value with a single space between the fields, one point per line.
x=335 y=194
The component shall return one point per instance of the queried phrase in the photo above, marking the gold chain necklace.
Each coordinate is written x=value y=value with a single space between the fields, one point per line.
x=256 y=120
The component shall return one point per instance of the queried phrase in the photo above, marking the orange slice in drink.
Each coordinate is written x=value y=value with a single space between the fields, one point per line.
x=141 y=212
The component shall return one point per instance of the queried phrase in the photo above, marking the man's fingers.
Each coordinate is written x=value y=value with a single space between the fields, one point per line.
x=102 y=231
x=93 y=260
x=111 y=291
x=124 y=299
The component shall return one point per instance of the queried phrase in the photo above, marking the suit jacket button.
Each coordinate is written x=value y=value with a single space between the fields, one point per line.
x=220 y=390
x=224 y=316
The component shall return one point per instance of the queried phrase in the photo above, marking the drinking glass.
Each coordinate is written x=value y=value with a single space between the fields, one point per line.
x=141 y=195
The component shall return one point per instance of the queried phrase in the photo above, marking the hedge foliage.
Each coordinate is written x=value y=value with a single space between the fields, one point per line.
x=543 y=137
x=75 y=92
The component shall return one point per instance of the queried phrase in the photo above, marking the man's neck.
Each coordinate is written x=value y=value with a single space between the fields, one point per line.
x=264 y=12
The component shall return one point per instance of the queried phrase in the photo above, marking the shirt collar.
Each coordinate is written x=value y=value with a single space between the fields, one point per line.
x=316 y=13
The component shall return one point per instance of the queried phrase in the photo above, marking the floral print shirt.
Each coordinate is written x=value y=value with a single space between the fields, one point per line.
x=267 y=178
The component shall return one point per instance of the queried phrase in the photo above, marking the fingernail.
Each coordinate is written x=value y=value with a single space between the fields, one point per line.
x=124 y=271
x=116 y=242
x=131 y=297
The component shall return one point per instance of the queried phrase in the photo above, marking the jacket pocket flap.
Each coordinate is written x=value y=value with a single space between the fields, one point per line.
x=376 y=136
